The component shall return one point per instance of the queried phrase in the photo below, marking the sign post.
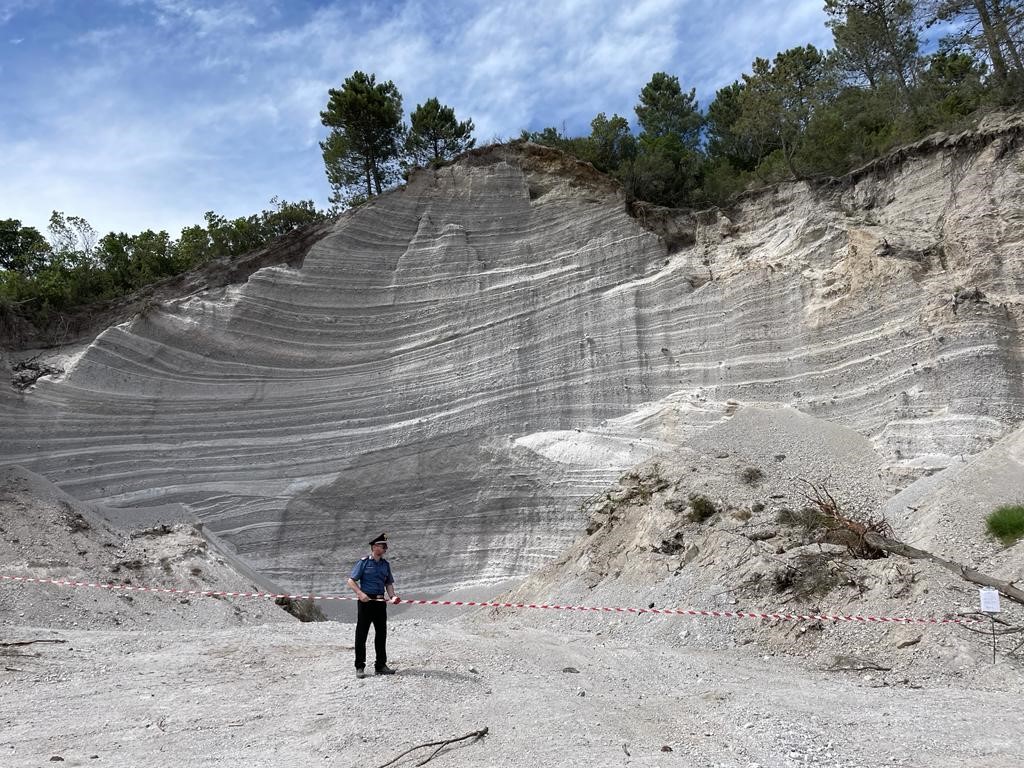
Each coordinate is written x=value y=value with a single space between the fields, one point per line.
x=990 y=605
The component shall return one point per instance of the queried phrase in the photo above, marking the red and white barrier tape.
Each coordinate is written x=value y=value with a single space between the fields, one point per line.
x=480 y=604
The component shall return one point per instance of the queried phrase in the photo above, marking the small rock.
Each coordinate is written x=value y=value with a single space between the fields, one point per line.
x=666 y=748
x=56 y=759
x=473 y=671
x=582 y=693
x=571 y=670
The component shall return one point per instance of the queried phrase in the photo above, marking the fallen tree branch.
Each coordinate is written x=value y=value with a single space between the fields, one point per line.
x=29 y=642
x=885 y=544
x=844 y=529
x=475 y=735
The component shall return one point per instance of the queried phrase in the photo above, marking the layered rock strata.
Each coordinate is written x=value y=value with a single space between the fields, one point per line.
x=463 y=360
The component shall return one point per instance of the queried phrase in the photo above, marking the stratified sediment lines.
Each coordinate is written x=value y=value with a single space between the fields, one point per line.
x=467 y=358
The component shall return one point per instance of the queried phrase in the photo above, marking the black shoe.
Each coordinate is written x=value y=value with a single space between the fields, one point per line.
x=385 y=670
x=360 y=673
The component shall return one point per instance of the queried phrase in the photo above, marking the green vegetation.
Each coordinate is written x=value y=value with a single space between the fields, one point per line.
x=75 y=267
x=369 y=145
x=806 y=113
x=435 y=136
x=810 y=113
x=1007 y=523
x=361 y=151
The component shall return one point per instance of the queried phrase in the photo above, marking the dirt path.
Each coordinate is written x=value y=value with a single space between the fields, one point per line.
x=286 y=695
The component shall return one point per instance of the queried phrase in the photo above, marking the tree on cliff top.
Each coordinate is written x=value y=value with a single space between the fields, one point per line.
x=22 y=249
x=361 y=151
x=666 y=168
x=435 y=135
x=876 y=42
x=992 y=30
x=778 y=100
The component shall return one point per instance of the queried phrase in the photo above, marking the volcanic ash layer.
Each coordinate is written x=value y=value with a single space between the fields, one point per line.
x=463 y=360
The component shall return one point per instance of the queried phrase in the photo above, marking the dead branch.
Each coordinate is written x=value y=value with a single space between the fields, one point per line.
x=886 y=544
x=855 y=664
x=475 y=735
x=854 y=530
x=29 y=642
x=999 y=626
x=872 y=537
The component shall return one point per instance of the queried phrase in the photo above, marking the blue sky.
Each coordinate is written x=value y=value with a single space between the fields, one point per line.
x=141 y=114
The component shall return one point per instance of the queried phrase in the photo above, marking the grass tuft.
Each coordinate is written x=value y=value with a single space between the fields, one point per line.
x=1007 y=523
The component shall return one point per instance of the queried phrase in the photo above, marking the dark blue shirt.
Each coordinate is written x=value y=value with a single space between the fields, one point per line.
x=372 y=576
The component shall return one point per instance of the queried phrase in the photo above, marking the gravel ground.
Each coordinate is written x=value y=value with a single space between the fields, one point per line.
x=157 y=680
x=286 y=695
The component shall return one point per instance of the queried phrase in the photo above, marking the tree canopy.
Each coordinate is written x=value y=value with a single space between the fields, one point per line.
x=361 y=151
x=74 y=267
x=435 y=136
x=368 y=145
x=804 y=113
x=810 y=112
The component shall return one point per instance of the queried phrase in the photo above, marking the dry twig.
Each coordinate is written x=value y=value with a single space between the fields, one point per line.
x=475 y=735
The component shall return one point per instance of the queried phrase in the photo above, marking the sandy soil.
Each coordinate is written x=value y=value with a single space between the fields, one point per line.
x=277 y=695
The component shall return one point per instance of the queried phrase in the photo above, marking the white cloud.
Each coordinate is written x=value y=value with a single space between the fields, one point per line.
x=180 y=106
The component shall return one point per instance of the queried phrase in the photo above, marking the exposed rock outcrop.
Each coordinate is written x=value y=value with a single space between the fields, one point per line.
x=463 y=360
x=46 y=534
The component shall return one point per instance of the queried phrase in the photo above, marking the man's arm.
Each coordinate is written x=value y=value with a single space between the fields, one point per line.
x=389 y=587
x=359 y=593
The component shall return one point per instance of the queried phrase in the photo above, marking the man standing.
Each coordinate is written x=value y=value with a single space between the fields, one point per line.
x=373 y=574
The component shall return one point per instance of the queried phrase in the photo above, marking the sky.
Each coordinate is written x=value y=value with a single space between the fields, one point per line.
x=144 y=114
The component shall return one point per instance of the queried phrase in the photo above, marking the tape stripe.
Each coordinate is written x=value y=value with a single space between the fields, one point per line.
x=484 y=604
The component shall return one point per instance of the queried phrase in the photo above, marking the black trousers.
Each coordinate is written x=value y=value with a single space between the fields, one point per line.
x=374 y=612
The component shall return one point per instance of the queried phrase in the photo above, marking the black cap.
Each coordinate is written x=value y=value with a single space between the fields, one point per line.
x=380 y=539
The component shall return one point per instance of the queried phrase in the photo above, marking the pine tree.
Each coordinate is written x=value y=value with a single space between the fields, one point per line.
x=876 y=42
x=778 y=100
x=435 y=136
x=361 y=151
x=993 y=30
x=668 y=162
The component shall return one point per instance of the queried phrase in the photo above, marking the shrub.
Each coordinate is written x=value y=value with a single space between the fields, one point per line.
x=807 y=519
x=701 y=508
x=303 y=609
x=811 y=576
x=751 y=475
x=1007 y=523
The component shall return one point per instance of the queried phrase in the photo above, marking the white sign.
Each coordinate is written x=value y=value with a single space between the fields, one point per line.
x=989 y=600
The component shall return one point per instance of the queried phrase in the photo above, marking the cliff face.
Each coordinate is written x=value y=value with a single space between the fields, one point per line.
x=461 y=361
